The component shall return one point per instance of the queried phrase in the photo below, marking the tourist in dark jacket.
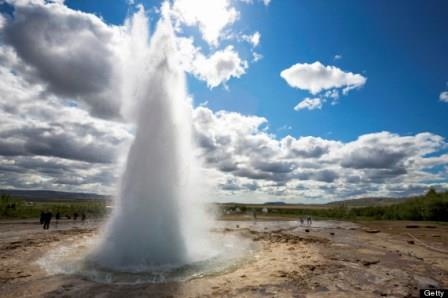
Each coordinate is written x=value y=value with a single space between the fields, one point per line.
x=47 y=219
x=42 y=215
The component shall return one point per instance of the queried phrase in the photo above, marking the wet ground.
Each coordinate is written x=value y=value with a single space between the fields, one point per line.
x=327 y=259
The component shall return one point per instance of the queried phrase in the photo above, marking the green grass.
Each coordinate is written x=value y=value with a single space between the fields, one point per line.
x=432 y=206
x=11 y=208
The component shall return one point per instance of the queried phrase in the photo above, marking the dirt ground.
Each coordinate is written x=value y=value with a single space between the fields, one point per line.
x=327 y=259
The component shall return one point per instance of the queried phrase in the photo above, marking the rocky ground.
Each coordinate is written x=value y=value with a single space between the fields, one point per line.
x=328 y=259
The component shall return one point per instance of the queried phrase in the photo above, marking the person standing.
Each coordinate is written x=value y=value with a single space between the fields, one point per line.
x=47 y=220
x=57 y=217
x=309 y=221
x=42 y=216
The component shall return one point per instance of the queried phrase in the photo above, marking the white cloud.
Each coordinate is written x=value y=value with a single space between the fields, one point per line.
x=213 y=65
x=66 y=39
x=240 y=152
x=444 y=96
x=332 y=94
x=316 y=77
x=220 y=66
x=337 y=57
x=215 y=69
x=256 y=56
x=266 y=2
x=210 y=16
x=309 y=103
x=53 y=144
x=253 y=39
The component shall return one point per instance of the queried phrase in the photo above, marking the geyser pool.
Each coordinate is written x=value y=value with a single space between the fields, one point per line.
x=70 y=259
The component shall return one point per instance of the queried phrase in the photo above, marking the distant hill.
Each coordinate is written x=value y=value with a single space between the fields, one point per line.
x=274 y=203
x=369 y=201
x=49 y=195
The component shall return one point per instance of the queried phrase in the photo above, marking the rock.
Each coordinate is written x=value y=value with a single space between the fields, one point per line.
x=412 y=226
x=306 y=230
x=372 y=231
x=379 y=293
x=331 y=233
x=369 y=262
x=411 y=241
x=431 y=227
x=436 y=236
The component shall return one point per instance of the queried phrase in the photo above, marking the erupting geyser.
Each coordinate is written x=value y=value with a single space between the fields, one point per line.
x=153 y=220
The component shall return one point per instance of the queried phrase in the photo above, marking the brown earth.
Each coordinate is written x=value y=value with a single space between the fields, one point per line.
x=332 y=259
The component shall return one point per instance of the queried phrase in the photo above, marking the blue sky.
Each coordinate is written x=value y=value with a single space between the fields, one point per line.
x=399 y=46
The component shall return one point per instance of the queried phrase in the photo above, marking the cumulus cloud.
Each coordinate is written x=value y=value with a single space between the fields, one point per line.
x=385 y=150
x=63 y=39
x=219 y=67
x=316 y=77
x=212 y=64
x=308 y=147
x=253 y=39
x=34 y=172
x=211 y=17
x=309 y=103
x=215 y=69
x=239 y=149
x=55 y=146
x=444 y=96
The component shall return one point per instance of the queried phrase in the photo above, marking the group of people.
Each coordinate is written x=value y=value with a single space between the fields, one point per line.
x=46 y=216
x=308 y=220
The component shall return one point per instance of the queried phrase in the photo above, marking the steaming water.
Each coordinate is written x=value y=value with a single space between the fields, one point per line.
x=156 y=215
x=158 y=230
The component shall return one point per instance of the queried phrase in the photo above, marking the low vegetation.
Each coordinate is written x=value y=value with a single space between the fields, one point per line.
x=18 y=208
x=432 y=206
